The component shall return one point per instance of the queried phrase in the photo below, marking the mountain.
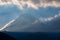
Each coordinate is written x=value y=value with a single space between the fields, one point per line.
x=25 y=23
x=23 y=29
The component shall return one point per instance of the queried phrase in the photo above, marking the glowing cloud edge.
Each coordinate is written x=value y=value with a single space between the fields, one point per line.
x=32 y=4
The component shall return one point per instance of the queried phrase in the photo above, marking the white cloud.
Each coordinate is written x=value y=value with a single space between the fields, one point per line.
x=50 y=18
x=35 y=22
x=7 y=25
x=32 y=3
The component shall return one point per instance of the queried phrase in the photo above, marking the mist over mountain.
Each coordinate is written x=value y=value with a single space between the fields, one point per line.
x=25 y=23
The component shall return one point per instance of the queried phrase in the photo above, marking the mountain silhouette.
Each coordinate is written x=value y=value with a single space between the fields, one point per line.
x=24 y=24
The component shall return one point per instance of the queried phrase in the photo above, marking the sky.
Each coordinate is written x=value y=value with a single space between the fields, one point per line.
x=29 y=16
x=43 y=10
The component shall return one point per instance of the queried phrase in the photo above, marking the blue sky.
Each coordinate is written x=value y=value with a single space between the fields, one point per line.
x=10 y=12
x=46 y=10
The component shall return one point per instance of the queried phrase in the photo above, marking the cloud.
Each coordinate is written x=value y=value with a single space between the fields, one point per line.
x=35 y=22
x=50 y=18
x=32 y=3
x=43 y=3
x=7 y=25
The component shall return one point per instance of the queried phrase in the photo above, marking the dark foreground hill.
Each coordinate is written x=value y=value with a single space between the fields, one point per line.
x=35 y=35
x=4 y=36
